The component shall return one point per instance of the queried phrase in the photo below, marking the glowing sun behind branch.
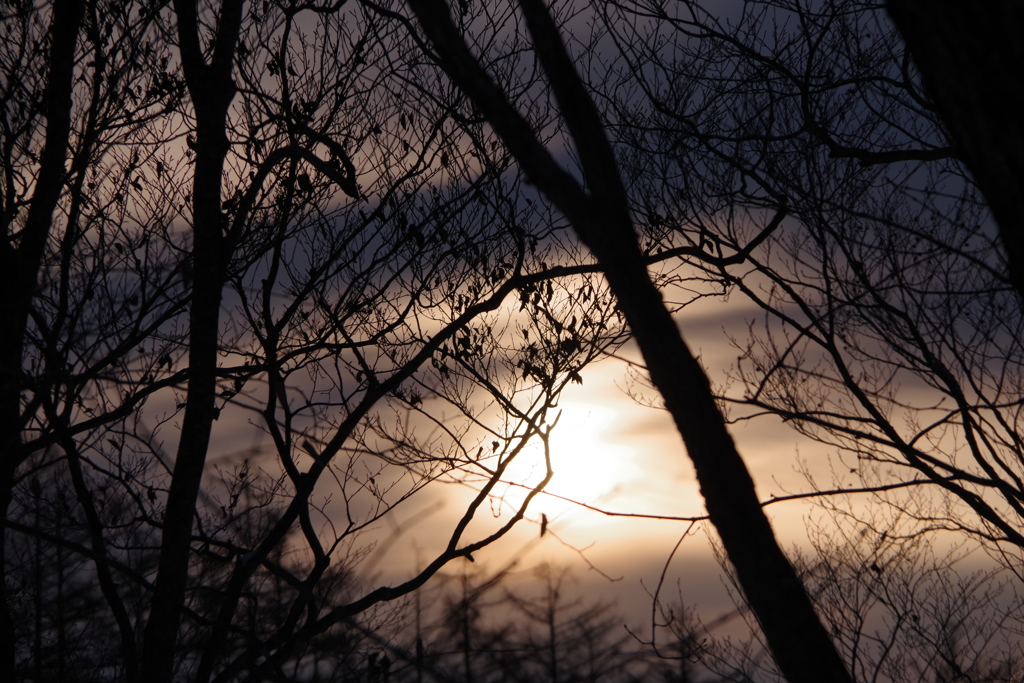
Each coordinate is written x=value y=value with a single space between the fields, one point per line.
x=588 y=466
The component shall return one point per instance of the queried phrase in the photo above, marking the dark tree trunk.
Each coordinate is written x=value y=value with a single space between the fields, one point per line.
x=19 y=271
x=971 y=58
x=600 y=214
x=211 y=88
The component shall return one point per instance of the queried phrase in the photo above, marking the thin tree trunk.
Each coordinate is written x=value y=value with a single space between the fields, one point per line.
x=126 y=630
x=971 y=58
x=19 y=272
x=552 y=640
x=37 y=595
x=466 y=632
x=600 y=214
x=211 y=88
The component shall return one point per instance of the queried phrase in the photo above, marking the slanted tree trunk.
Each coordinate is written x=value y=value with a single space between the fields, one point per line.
x=600 y=214
x=211 y=89
x=971 y=58
x=20 y=260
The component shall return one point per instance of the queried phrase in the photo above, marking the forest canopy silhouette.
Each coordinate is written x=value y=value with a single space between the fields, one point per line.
x=273 y=271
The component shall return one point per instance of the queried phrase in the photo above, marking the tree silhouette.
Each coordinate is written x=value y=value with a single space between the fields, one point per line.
x=600 y=213
x=516 y=626
x=891 y=328
x=900 y=605
x=269 y=225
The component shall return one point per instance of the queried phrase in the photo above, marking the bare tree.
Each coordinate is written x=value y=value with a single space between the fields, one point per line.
x=513 y=625
x=64 y=261
x=570 y=639
x=600 y=212
x=901 y=605
x=801 y=164
x=275 y=224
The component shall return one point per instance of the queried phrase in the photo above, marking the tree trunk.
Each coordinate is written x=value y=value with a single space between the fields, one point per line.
x=211 y=88
x=19 y=272
x=971 y=58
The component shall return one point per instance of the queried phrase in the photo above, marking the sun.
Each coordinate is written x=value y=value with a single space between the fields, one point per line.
x=596 y=461
x=589 y=466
